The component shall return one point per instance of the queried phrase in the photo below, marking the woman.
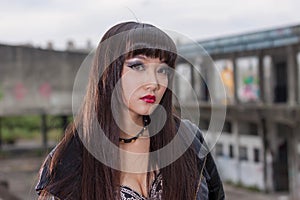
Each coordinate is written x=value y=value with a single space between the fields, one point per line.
x=127 y=112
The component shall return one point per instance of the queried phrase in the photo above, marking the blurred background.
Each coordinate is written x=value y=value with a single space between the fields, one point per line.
x=252 y=47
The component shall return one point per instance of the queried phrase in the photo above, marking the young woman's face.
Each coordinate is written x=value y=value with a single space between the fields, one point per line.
x=144 y=82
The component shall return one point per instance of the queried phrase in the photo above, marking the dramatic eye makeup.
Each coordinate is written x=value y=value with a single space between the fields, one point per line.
x=135 y=65
x=138 y=64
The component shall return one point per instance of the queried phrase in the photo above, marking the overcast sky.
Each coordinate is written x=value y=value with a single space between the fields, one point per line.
x=40 y=21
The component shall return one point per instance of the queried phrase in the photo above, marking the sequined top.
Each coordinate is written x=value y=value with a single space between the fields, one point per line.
x=155 y=191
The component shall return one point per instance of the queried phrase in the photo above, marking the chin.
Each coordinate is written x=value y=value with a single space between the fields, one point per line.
x=150 y=110
x=143 y=111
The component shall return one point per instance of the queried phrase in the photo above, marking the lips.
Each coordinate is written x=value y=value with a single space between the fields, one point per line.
x=149 y=98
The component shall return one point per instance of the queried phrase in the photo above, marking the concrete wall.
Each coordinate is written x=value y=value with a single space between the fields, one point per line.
x=34 y=81
x=247 y=172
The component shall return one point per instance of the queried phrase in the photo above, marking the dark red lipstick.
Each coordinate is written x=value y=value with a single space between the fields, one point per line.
x=149 y=98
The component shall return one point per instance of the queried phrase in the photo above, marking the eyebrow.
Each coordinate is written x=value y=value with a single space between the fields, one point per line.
x=143 y=57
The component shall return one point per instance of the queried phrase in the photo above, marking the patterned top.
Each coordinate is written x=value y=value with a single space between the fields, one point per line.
x=155 y=192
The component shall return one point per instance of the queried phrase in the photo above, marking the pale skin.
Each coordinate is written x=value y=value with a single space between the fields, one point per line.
x=144 y=82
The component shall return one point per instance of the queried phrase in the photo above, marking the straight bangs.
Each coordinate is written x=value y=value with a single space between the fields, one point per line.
x=151 y=42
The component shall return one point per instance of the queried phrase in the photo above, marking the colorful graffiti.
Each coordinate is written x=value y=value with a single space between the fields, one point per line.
x=248 y=79
x=228 y=81
x=225 y=68
x=250 y=90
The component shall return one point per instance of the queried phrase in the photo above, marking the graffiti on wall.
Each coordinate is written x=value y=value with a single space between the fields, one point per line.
x=248 y=87
x=45 y=90
x=225 y=68
x=20 y=91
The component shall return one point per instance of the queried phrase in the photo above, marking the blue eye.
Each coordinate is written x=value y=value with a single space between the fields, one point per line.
x=136 y=66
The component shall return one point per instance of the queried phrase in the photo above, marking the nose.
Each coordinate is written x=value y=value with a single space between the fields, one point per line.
x=152 y=82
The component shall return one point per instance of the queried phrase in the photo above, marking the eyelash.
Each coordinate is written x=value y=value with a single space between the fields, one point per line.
x=135 y=66
x=140 y=67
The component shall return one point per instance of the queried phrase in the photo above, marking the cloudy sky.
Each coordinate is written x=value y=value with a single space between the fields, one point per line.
x=40 y=21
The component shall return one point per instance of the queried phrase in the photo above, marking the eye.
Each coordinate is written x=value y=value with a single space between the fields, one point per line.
x=138 y=66
x=164 y=70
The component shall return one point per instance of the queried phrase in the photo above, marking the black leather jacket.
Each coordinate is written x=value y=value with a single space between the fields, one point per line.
x=212 y=181
x=209 y=186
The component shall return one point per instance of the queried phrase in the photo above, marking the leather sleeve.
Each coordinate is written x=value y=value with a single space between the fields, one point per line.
x=44 y=174
x=213 y=180
x=66 y=171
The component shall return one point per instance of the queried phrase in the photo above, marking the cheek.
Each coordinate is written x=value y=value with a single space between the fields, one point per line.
x=163 y=80
x=126 y=90
x=162 y=91
x=129 y=86
x=164 y=85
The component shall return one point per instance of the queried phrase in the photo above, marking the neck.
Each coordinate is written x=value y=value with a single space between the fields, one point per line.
x=131 y=125
x=133 y=135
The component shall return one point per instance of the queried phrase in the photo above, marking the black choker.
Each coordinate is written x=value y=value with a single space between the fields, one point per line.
x=132 y=139
x=146 y=121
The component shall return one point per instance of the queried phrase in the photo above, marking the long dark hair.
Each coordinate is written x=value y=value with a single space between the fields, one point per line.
x=85 y=177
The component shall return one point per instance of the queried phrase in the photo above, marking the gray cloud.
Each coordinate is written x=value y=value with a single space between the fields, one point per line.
x=40 y=21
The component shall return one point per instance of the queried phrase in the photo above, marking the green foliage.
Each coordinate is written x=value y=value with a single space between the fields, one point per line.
x=27 y=124
x=29 y=128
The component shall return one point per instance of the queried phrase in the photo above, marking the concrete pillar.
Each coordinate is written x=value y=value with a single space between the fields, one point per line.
x=261 y=76
x=292 y=75
x=44 y=131
x=298 y=76
x=197 y=78
x=235 y=134
x=268 y=79
x=205 y=74
x=235 y=77
x=192 y=76
x=263 y=131
x=297 y=160
x=294 y=164
x=271 y=151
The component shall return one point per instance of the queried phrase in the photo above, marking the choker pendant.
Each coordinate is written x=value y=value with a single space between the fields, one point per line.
x=133 y=139
x=146 y=122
